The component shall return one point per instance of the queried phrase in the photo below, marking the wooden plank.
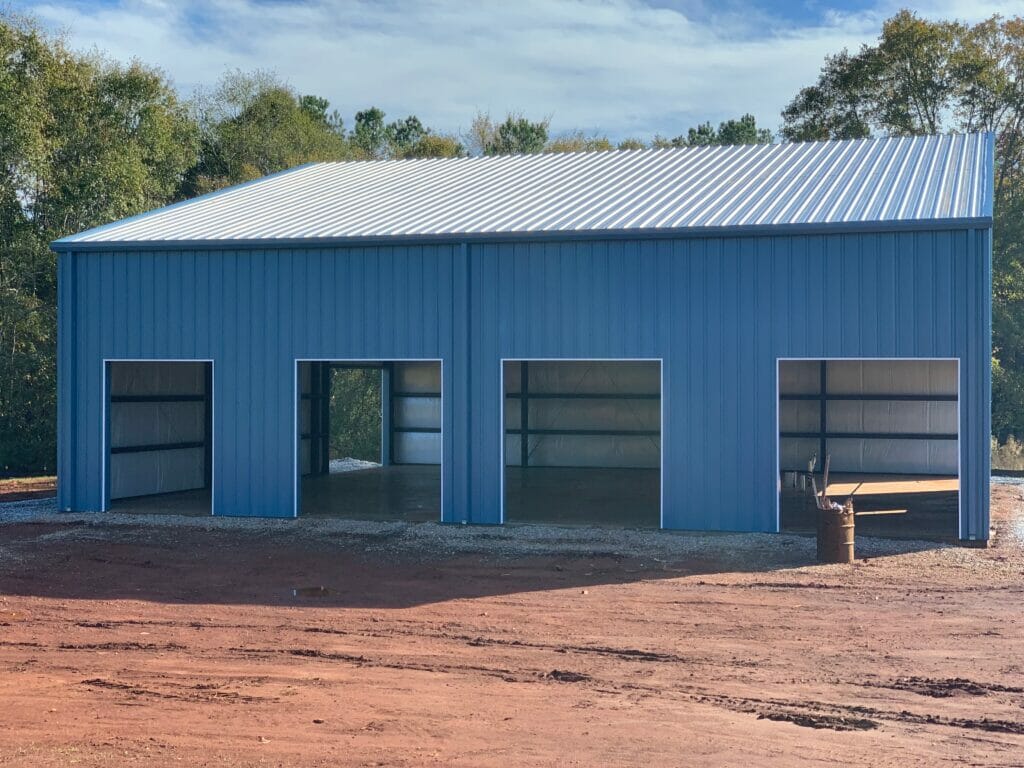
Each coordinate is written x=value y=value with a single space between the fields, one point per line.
x=870 y=487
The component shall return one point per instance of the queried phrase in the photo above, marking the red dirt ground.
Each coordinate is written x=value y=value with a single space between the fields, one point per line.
x=21 y=488
x=157 y=645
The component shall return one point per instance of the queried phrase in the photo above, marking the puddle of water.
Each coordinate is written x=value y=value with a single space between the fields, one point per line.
x=312 y=592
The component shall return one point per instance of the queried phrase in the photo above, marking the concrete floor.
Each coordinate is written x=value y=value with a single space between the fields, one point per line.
x=196 y=503
x=629 y=498
x=564 y=496
x=931 y=514
x=408 y=492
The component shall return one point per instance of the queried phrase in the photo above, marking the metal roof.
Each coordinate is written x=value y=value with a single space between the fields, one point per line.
x=899 y=180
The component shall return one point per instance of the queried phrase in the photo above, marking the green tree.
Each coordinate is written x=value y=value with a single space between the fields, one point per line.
x=515 y=135
x=252 y=124
x=837 y=106
x=370 y=135
x=402 y=135
x=82 y=142
x=355 y=413
x=742 y=131
x=578 y=141
x=374 y=139
x=926 y=76
x=631 y=144
x=435 y=145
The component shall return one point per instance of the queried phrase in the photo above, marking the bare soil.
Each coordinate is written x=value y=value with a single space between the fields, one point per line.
x=21 y=488
x=127 y=640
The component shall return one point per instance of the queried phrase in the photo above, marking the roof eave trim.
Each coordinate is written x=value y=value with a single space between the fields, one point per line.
x=859 y=227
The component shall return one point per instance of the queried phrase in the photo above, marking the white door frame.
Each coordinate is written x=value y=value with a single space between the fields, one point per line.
x=105 y=397
x=296 y=441
x=778 y=439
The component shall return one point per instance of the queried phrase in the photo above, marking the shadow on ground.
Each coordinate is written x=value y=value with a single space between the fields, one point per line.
x=360 y=564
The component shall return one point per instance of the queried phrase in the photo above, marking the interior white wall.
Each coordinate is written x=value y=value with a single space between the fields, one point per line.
x=419 y=412
x=155 y=423
x=873 y=377
x=635 y=377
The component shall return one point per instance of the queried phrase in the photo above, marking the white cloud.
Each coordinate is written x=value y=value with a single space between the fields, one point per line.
x=618 y=66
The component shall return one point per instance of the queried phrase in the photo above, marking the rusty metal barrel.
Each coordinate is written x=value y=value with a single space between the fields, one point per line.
x=835 y=534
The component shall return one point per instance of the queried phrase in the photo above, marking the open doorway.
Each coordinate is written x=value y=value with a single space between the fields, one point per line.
x=159 y=436
x=582 y=442
x=369 y=439
x=891 y=428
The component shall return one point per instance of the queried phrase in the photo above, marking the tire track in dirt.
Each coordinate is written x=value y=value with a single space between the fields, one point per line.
x=802 y=713
x=627 y=654
x=816 y=714
x=508 y=675
x=943 y=688
x=123 y=646
x=195 y=693
x=807 y=714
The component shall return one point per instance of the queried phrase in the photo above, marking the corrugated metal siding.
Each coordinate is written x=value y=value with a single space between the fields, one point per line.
x=898 y=179
x=253 y=314
x=721 y=312
x=718 y=311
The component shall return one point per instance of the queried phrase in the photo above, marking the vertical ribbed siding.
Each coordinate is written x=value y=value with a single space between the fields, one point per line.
x=719 y=313
x=253 y=313
x=66 y=401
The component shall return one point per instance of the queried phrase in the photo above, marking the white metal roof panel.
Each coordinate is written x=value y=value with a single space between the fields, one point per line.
x=886 y=180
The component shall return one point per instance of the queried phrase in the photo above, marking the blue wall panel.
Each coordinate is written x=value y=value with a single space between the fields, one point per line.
x=718 y=311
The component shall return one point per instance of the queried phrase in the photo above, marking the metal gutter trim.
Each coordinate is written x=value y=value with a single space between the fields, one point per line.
x=454 y=239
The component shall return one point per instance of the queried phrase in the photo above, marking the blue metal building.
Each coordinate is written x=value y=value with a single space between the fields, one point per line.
x=717 y=262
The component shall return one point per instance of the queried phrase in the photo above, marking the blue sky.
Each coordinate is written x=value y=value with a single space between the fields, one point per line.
x=615 y=67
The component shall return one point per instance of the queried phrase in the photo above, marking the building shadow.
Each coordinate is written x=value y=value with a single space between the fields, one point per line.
x=343 y=564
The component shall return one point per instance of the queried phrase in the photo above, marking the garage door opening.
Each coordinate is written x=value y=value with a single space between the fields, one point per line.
x=582 y=442
x=369 y=439
x=891 y=428
x=159 y=436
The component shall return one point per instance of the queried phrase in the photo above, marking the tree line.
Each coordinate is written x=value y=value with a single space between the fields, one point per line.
x=85 y=140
